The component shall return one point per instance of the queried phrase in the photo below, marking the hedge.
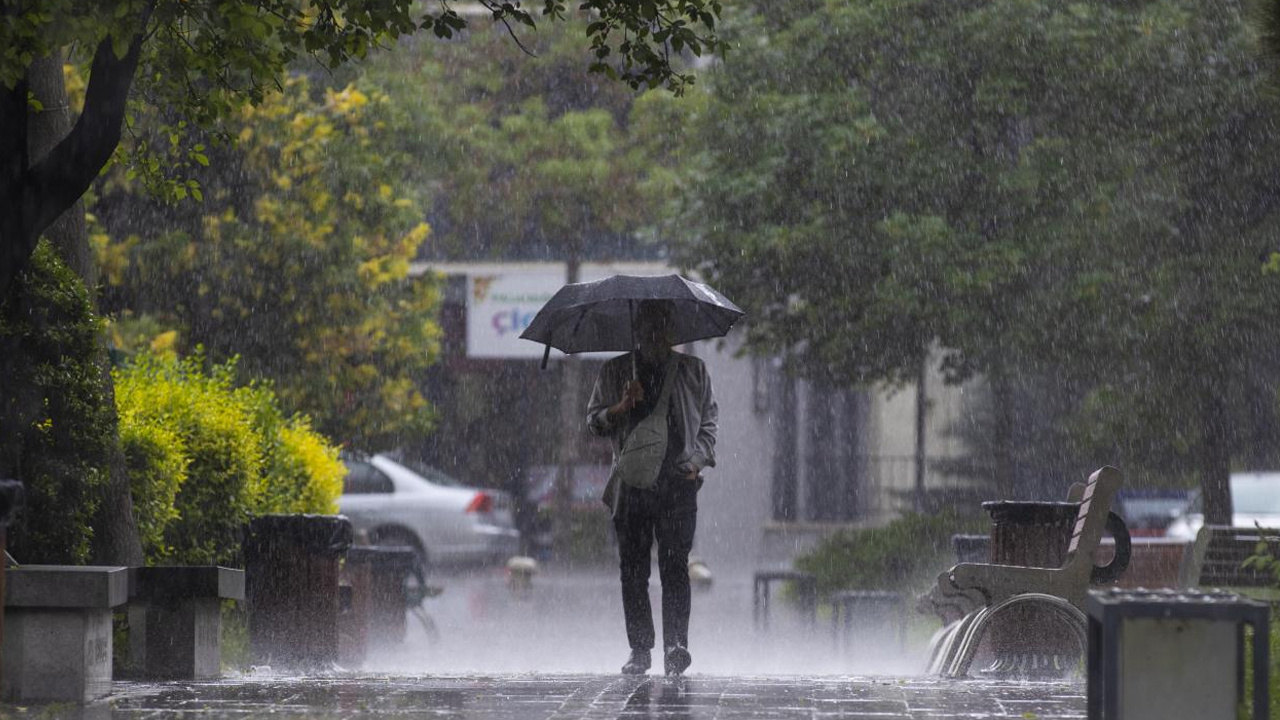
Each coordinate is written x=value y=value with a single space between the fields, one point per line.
x=207 y=455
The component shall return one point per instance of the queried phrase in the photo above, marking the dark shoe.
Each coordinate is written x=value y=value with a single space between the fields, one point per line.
x=677 y=660
x=638 y=663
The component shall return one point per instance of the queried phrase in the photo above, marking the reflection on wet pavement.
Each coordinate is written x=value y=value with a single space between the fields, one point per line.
x=586 y=697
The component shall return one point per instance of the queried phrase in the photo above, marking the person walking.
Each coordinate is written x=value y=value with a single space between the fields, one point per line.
x=630 y=388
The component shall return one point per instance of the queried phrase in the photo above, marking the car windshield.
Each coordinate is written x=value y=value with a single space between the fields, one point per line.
x=1153 y=507
x=430 y=474
x=1256 y=496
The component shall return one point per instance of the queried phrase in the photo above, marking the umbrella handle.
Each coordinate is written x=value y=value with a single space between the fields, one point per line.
x=631 y=323
x=545 y=354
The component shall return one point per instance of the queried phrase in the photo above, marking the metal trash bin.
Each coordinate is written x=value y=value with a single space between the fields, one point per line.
x=1174 y=653
x=291 y=588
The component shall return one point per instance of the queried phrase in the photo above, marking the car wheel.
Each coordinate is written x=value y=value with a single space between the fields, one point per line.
x=415 y=582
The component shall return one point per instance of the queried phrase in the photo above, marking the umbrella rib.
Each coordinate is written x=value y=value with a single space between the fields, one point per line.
x=722 y=330
x=581 y=316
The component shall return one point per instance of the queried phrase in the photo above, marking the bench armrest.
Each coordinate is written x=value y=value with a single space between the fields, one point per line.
x=1002 y=580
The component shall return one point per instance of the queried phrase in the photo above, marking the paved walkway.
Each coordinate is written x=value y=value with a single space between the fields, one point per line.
x=494 y=655
x=589 y=697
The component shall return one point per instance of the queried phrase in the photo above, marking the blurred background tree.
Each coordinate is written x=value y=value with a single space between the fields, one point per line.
x=297 y=262
x=176 y=71
x=1069 y=197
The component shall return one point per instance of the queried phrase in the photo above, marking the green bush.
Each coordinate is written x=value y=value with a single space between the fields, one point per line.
x=907 y=554
x=157 y=460
x=241 y=457
x=224 y=459
x=301 y=471
x=56 y=422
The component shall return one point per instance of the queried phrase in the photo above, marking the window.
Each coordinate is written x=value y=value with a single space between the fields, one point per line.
x=365 y=479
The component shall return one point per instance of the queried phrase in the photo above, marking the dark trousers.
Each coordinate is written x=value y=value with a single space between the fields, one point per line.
x=668 y=514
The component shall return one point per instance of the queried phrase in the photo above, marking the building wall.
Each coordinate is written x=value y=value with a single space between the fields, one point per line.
x=795 y=461
x=892 y=437
x=734 y=503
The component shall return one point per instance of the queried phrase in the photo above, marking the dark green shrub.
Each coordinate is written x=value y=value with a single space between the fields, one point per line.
x=56 y=422
x=907 y=554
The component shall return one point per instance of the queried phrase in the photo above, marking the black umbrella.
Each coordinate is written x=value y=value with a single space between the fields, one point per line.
x=599 y=316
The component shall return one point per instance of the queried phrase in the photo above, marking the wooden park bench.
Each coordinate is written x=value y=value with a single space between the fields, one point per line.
x=1058 y=592
x=951 y=603
x=1219 y=559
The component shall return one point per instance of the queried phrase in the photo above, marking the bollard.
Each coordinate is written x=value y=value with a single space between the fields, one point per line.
x=291 y=578
x=520 y=572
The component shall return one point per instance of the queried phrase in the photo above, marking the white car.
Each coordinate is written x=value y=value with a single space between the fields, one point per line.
x=1255 y=500
x=447 y=523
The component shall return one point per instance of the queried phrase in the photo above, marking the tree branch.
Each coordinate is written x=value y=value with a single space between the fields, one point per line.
x=61 y=177
x=14 y=247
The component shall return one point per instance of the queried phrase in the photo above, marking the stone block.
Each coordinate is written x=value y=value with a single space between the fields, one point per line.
x=57 y=632
x=66 y=586
x=173 y=583
x=175 y=616
x=179 y=640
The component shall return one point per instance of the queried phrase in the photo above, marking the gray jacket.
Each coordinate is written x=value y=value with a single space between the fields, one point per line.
x=691 y=395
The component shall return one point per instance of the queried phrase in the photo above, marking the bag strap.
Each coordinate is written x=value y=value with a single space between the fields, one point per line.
x=668 y=380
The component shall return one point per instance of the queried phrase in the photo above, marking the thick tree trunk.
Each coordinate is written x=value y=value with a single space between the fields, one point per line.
x=115 y=537
x=35 y=194
x=1002 y=441
x=45 y=129
x=1215 y=454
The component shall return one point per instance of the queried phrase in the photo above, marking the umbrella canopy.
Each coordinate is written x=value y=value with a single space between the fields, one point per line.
x=599 y=316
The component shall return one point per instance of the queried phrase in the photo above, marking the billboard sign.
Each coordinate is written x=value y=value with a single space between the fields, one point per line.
x=502 y=300
x=501 y=304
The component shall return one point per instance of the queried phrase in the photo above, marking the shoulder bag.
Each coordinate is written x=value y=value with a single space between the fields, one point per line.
x=646 y=445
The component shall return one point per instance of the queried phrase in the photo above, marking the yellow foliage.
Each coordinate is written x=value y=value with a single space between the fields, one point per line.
x=347 y=100
x=165 y=344
x=324 y=252
x=318 y=470
x=112 y=258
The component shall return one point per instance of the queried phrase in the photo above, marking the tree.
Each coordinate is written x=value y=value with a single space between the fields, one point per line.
x=977 y=175
x=526 y=159
x=201 y=59
x=297 y=263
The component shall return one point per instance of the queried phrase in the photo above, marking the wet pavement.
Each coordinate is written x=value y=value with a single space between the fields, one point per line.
x=590 y=697
x=488 y=653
